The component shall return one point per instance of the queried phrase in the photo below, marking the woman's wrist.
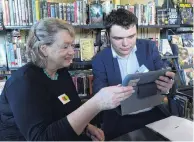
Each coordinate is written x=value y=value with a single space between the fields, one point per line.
x=86 y=129
x=95 y=101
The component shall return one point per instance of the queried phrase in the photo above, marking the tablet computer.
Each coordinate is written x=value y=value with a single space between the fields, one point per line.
x=146 y=94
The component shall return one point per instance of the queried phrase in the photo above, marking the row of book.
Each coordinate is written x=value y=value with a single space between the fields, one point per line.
x=2 y=84
x=82 y=12
x=13 y=50
x=185 y=54
x=83 y=82
x=184 y=105
x=83 y=54
x=183 y=14
x=28 y=12
x=186 y=48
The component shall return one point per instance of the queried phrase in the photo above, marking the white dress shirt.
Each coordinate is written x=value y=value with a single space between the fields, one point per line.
x=128 y=65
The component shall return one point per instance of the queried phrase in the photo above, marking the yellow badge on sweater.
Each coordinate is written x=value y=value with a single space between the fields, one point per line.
x=64 y=98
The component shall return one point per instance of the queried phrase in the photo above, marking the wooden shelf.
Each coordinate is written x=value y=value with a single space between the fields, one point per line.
x=169 y=57
x=17 y=27
x=92 y=26
x=3 y=68
x=14 y=68
x=82 y=65
x=186 y=25
x=95 y=26
x=158 y=26
x=101 y=26
x=2 y=75
x=85 y=98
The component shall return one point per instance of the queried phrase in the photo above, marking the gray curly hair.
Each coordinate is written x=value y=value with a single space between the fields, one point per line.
x=43 y=33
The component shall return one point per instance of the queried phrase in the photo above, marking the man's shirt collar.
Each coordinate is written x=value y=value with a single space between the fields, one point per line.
x=115 y=55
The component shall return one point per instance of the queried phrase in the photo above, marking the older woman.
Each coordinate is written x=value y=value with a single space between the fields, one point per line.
x=40 y=102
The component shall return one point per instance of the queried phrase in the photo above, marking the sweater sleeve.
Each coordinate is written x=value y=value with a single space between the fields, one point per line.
x=32 y=113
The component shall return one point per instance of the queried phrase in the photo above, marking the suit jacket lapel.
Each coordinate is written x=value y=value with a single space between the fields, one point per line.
x=117 y=74
x=139 y=53
x=114 y=70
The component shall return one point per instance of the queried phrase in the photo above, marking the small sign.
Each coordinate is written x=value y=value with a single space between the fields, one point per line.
x=64 y=98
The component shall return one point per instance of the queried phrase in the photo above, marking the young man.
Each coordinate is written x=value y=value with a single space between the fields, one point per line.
x=124 y=56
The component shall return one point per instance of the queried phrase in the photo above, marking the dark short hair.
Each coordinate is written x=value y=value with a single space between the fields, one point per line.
x=120 y=17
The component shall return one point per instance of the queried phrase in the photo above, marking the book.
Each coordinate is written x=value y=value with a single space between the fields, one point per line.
x=3 y=61
x=186 y=12
x=86 y=49
x=172 y=16
x=161 y=14
x=96 y=14
x=186 y=53
x=2 y=84
x=165 y=48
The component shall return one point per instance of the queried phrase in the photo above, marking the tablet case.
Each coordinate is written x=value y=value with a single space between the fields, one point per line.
x=146 y=94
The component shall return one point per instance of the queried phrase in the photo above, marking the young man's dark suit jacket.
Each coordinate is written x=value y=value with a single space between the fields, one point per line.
x=107 y=73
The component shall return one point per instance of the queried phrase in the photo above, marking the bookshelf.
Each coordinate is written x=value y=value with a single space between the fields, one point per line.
x=81 y=65
x=186 y=25
x=92 y=26
x=169 y=57
x=158 y=26
x=85 y=65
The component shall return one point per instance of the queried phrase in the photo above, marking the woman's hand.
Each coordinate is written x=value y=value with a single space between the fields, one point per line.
x=111 y=97
x=95 y=133
x=106 y=98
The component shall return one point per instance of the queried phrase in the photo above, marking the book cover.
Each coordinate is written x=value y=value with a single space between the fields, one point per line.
x=186 y=53
x=96 y=14
x=86 y=49
x=161 y=16
x=186 y=12
x=172 y=16
x=3 y=61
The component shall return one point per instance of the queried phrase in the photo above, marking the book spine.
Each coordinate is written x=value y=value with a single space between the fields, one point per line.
x=68 y=12
x=20 y=13
x=75 y=12
x=64 y=11
x=52 y=7
x=45 y=9
x=26 y=12
x=37 y=8
x=30 y=14
x=7 y=12
x=49 y=9
x=1 y=15
x=72 y=12
x=61 y=15
x=56 y=10
x=11 y=12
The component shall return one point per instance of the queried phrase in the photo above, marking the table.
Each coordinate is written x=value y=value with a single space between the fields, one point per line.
x=143 y=134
